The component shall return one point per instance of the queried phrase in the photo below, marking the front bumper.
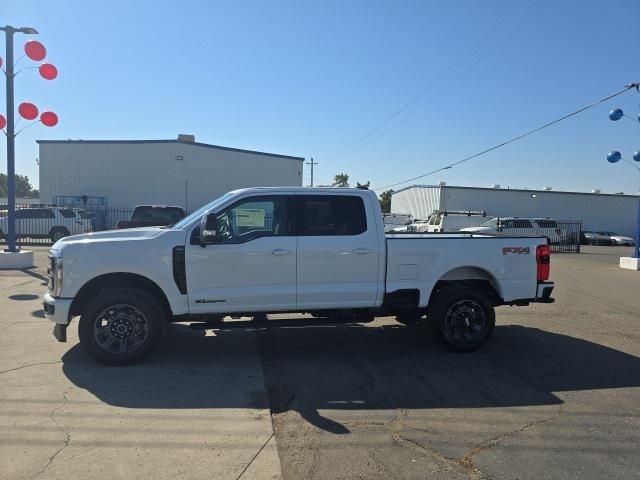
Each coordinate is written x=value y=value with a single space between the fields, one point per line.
x=543 y=293
x=58 y=310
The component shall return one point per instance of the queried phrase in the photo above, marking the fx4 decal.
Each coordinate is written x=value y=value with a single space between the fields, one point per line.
x=516 y=250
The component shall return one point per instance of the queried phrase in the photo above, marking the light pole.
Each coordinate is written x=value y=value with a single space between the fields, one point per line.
x=11 y=163
x=615 y=157
x=35 y=51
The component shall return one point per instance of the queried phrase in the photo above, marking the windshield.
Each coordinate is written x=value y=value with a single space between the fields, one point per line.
x=198 y=213
x=493 y=223
x=163 y=215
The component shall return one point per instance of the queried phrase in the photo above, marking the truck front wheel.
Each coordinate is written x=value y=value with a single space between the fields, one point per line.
x=463 y=318
x=121 y=326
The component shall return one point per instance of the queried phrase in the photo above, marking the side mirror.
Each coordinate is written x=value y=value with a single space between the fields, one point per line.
x=208 y=232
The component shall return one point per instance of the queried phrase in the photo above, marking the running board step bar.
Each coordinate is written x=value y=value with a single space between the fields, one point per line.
x=302 y=322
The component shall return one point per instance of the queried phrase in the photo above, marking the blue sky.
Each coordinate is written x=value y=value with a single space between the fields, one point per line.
x=313 y=78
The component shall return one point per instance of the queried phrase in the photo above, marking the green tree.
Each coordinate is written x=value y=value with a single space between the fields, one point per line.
x=385 y=201
x=23 y=187
x=341 y=180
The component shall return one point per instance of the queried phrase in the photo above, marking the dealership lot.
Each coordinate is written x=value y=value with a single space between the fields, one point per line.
x=555 y=394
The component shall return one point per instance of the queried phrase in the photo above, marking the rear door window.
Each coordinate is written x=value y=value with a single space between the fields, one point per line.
x=67 y=213
x=35 y=213
x=320 y=215
x=546 y=223
x=516 y=223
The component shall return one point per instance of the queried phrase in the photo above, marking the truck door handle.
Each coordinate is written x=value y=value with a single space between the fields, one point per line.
x=362 y=251
x=280 y=251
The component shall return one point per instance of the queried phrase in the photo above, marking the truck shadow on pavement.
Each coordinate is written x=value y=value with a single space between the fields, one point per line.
x=353 y=367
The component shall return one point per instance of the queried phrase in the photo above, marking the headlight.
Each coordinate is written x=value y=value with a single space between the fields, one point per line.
x=56 y=275
x=58 y=279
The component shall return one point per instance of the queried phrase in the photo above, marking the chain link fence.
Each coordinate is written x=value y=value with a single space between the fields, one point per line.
x=563 y=235
x=38 y=224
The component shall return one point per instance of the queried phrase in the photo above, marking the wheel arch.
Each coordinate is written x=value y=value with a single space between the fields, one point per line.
x=114 y=280
x=470 y=276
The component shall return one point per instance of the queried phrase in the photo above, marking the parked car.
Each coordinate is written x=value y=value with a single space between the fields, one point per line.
x=455 y=220
x=592 y=238
x=547 y=227
x=152 y=216
x=260 y=250
x=47 y=222
x=618 y=239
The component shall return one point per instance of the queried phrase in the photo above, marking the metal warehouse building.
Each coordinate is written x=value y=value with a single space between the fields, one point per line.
x=179 y=172
x=597 y=211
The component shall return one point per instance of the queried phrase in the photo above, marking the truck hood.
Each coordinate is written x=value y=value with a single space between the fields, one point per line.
x=110 y=236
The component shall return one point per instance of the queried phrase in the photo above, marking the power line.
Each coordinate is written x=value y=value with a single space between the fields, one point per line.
x=355 y=145
x=511 y=140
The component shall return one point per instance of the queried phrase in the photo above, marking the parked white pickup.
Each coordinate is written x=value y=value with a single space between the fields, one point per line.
x=261 y=250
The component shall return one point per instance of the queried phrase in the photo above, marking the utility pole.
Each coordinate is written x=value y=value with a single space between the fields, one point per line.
x=312 y=163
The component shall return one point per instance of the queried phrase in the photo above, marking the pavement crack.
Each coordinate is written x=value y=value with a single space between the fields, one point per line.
x=67 y=435
x=467 y=459
x=542 y=377
x=255 y=456
x=9 y=326
x=29 y=365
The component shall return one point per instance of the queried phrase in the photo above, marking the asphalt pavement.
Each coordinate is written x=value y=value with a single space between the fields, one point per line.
x=554 y=394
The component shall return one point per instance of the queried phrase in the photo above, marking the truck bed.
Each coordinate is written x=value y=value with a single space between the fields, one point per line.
x=421 y=260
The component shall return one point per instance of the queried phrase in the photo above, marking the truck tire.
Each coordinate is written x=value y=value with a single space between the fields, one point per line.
x=122 y=326
x=463 y=318
x=57 y=233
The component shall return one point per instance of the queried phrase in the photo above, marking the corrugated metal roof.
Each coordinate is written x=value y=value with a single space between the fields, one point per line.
x=199 y=144
x=531 y=190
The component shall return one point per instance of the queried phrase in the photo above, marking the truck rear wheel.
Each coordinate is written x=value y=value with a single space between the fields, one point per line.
x=121 y=326
x=463 y=318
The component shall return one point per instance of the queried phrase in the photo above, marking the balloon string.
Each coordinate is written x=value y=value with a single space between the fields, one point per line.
x=25 y=127
x=18 y=61
x=28 y=68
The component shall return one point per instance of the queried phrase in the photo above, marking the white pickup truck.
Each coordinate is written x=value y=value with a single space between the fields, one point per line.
x=265 y=250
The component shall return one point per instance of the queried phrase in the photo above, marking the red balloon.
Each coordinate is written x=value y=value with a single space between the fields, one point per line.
x=49 y=119
x=28 y=110
x=48 y=71
x=35 y=50
x=3 y=122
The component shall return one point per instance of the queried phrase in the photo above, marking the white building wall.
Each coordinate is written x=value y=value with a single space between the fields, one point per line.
x=419 y=202
x=615 y=213
x=133 y=173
